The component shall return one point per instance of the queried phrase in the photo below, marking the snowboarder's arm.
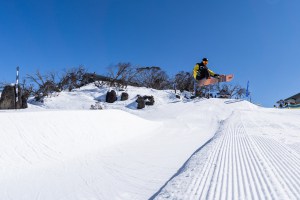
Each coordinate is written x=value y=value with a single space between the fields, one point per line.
x=211 y=73
x=195 y=71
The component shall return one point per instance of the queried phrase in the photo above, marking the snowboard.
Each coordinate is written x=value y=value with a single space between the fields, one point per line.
x=212 y=80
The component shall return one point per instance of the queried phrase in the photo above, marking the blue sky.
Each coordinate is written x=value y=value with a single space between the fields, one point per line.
x=257 y=40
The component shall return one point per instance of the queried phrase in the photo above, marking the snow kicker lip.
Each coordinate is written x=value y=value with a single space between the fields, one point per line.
x=233 y=101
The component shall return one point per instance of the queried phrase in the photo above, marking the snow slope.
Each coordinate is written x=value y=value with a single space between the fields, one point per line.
x=254 y=155
x=176 y=149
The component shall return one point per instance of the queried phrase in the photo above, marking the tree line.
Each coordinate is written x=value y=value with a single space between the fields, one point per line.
x=120 y=75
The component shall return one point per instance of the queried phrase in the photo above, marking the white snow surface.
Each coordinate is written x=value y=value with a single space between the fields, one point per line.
x=176 y=149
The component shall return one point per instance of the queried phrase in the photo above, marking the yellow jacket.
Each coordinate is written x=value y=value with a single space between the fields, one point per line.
x=197 y=68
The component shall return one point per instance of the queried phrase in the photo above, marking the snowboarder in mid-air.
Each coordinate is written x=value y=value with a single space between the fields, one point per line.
x=201 y=71
x=201 y=74
x=204 y=76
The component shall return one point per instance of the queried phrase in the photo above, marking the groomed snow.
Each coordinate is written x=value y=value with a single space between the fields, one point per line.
x=176 y=149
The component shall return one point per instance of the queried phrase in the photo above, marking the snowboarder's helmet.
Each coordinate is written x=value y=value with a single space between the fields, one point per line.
x=204 y=59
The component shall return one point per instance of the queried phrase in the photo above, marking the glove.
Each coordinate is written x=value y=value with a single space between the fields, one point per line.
x=216 y=75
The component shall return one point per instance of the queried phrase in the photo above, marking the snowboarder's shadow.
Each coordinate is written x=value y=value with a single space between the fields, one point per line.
x=233 y=101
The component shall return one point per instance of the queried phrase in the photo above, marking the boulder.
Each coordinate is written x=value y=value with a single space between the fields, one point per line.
x=24 y=101
x=149 y=100
x=140 y=102
x=124 y=96
x=8 y=98
x=111 y=97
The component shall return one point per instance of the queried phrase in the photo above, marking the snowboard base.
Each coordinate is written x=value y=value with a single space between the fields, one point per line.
x=212 y=80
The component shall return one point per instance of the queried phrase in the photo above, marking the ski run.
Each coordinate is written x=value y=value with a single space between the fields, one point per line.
x=176 y=149
x=238 y=164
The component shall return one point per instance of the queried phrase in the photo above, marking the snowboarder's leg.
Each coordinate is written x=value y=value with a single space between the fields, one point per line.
x=195 y=86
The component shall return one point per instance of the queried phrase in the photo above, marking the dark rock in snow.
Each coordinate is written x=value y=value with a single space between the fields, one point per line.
x=140 y=102
x=8 y=98
x=149 y=100
x=124 y=96
x=111 y=97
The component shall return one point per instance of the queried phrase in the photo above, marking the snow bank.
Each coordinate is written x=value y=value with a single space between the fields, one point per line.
x=59 y=149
